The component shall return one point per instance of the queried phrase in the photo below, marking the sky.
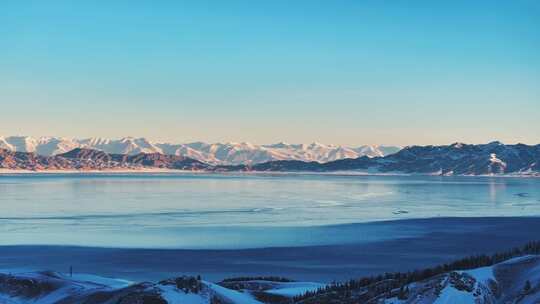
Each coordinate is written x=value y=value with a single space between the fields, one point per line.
x=341 y=72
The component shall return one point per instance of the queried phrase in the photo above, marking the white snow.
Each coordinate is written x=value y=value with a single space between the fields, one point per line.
x=217 y=153
x=450 y=295
x=174 y=296
x=483 y=274
x=293 y=289
x=493 y=158
x=84 y=283
x=519 y=259
x=231 y=295
x=93 y=279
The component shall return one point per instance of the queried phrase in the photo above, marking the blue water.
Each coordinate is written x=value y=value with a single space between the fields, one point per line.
x=211 y=210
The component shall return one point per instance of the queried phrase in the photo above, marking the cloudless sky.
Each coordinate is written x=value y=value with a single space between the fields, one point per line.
x=344 y=72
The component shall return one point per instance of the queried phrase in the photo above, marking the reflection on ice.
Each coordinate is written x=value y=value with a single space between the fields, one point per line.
x=69 y=207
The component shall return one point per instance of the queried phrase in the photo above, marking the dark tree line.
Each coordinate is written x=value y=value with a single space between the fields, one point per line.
x=261 y=278
x=369 y=287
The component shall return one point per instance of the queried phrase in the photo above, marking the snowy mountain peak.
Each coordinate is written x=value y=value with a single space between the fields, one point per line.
x=316 y=144
x=230 y=153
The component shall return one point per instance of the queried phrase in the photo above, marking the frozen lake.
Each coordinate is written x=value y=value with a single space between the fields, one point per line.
x=240 y=211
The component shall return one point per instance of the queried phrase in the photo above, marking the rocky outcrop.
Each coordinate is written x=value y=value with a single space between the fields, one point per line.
x=88 y=159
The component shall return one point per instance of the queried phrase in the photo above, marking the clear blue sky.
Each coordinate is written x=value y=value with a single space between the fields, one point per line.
x=344 y=72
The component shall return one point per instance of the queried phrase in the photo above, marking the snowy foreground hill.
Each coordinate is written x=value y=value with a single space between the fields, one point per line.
x=52 y=288
x=213 y=154
x=516 y=280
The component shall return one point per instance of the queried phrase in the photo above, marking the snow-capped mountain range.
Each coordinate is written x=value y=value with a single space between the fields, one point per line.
x=214 y=154
x=494 y=158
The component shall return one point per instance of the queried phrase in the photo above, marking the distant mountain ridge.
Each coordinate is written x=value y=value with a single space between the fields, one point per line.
x=214 y=154
x=89 y=159
x=456 y=159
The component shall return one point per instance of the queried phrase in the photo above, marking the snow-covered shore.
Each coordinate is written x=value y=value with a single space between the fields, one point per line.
x=516 y=280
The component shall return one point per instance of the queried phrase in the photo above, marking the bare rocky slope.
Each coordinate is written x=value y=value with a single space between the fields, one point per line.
x=87 y=159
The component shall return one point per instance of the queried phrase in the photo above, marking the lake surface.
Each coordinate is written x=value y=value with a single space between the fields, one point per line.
x=242 y=211
x=441 y=240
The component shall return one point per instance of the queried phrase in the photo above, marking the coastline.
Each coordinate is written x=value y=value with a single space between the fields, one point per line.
x=149 y=170
x=108 y=171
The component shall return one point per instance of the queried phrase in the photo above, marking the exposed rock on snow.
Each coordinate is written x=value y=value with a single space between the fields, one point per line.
x=52 y=288
x=502 y=283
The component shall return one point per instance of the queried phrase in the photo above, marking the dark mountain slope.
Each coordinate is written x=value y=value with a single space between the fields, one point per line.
x=88 y=159
x=454 y=159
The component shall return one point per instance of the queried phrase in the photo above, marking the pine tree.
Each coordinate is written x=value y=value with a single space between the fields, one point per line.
x=527 y=287
x=403 y=292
